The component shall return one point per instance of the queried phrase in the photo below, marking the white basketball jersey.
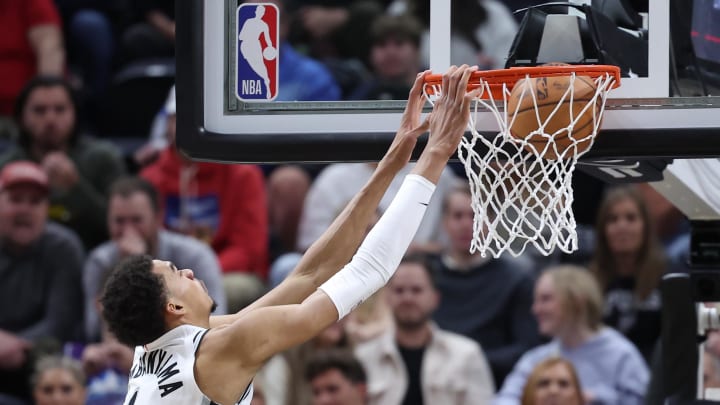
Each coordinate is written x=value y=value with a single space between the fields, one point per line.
x=162 y=371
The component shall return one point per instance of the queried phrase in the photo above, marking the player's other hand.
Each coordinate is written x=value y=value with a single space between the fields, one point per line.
x=451 y=113
x=410 y=125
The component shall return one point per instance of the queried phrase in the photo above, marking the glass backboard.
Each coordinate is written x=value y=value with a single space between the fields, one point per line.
x=215 y=123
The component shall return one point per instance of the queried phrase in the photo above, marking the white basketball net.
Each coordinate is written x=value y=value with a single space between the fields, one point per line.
x=520 y=198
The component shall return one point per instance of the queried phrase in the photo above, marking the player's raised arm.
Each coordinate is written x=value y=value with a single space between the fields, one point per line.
x=233 y=353
x=340 y=241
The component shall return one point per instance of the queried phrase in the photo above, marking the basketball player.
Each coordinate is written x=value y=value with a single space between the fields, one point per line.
x=251 y=48
x=186 y=357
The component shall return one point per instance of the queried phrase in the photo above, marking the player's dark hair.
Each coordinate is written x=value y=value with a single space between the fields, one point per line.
x=134 y=302
x=127 y=186
x=336 y=359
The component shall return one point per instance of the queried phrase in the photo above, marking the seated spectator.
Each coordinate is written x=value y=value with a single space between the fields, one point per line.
x=153 y=36
x=31 y=44
x=417 y=362
x=40 y=265
x=336 y=28
x=222 y=205
x=333 y=338
x=135 y=225
x=553 y=382
x=79 y=169
x=629 y=262
x=568 y=307
x=58 y=380
x=711 y=370
x=338 y=183
x=487 y=300
x=482 y=32
x=336 y=378
x=106 y=363
x=394 y=59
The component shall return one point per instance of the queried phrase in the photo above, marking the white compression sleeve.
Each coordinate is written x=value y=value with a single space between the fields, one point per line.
x=382 y=250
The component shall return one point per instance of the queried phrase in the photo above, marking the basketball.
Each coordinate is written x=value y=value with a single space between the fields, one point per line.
x=270 y=53
x=548 y=93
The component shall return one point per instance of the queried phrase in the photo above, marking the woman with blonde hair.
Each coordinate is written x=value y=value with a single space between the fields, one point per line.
x=629 y=263
x=58 y=380
x=568 y=308
x=553 y=382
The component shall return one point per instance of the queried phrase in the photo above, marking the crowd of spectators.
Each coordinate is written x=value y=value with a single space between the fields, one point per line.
x=77 y=196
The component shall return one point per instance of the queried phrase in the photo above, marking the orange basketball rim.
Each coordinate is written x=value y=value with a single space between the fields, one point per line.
x=504 y=79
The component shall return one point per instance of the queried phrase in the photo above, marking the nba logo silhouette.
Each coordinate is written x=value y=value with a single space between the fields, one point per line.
x=257 y=51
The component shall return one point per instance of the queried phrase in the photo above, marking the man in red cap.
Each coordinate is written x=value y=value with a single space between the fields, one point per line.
x=40 y=269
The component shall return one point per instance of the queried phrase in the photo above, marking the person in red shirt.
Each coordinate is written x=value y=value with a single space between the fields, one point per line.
x=31 y=44
x=223 y=205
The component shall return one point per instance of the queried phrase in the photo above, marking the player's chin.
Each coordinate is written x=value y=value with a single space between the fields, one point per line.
x=213 y=306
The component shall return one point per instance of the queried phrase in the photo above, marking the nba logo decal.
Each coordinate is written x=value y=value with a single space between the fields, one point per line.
x=257 y=51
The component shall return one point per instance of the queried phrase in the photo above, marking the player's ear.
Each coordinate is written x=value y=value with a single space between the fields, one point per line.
x=175 y=308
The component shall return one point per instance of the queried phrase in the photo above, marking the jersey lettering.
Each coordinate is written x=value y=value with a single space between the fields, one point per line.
x=161 y=364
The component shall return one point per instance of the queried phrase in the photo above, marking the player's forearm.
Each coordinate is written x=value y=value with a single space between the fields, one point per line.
x=431 y=164
x=331 y=251
x=382 y=250
x=339 y=242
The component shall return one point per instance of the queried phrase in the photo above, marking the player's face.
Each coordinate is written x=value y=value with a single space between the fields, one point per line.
x=184 y=289
x=58 y=387
x=625 y=228
x=411 y=296
x=133 y=214
x=555 y=387
x=49 y=116
x=547 y=307
x=332 y=388
x=23 y=214
x=458 y=221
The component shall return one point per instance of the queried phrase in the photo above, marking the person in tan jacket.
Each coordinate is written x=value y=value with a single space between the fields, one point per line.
x=416 y=362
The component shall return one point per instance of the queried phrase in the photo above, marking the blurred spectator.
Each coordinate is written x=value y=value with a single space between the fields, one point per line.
x=301 y=78
x=711 y=370
x=273 y=381
x=629 y=263
x=40 y=266
x=135 y=224
x=568 y=306
x=336 y=28
x=90 y=46
x=338 y=183
x=107 y=363
x=337 y=378
x=153 y=36
x=394 y=59
x=222 y=205
x=298 y=360
x=670 y=225
x=419 y=363
x=287 y=188
x=58 y=381
x=79 y=169
x=31 y=44
x=487 y=300
x=553 y=382
x=482 y=31
x=370 y=319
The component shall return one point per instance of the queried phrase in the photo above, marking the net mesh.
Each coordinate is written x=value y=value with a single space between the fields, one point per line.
x=522 y=186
